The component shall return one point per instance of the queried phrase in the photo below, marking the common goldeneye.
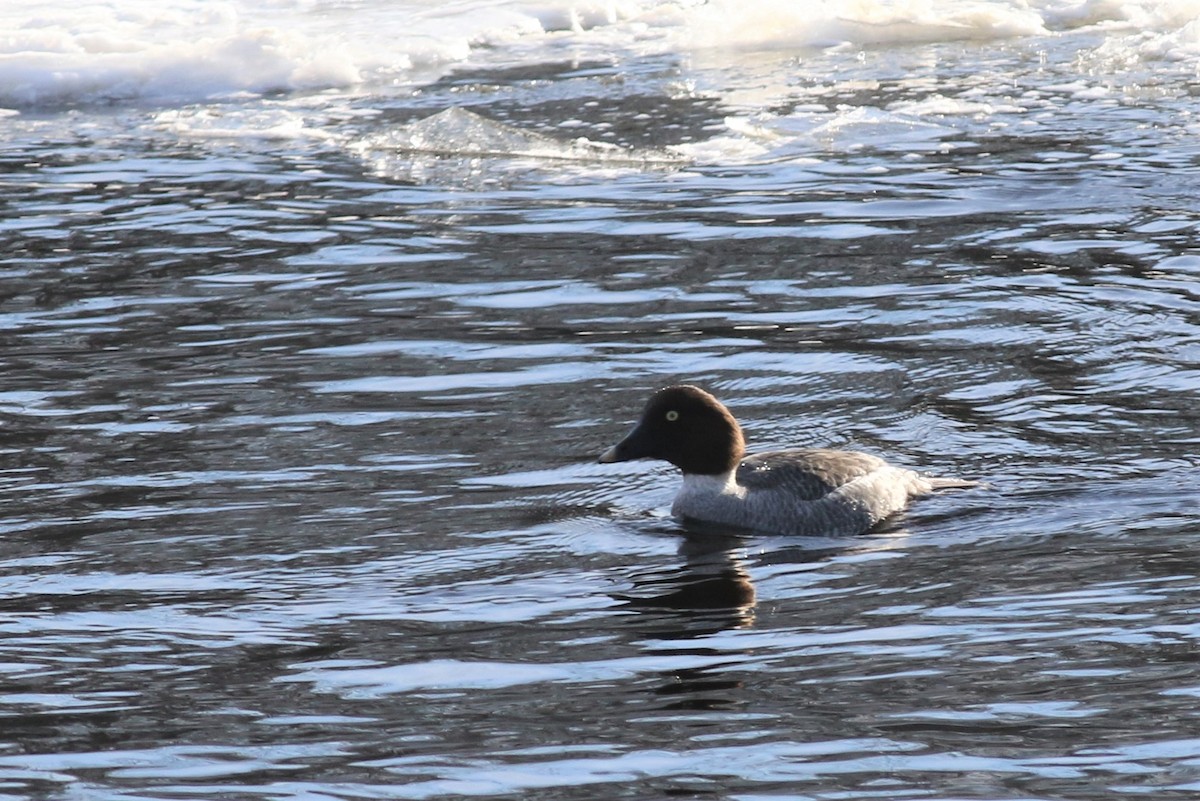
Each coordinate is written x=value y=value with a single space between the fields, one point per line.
x=805 y=492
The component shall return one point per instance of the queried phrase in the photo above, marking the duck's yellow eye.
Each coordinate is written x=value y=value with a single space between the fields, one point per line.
x=672 y=416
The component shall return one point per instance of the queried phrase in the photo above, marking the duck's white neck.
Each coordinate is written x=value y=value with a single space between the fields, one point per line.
x=695 y=484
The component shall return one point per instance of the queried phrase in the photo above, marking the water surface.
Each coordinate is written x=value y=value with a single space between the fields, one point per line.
x=298 y=470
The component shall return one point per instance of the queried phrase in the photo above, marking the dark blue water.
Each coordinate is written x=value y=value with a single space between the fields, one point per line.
x=298 y=492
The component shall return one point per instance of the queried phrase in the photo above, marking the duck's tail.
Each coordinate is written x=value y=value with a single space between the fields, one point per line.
x=936 y=484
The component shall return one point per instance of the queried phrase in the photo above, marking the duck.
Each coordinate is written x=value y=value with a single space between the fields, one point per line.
x=804 y=492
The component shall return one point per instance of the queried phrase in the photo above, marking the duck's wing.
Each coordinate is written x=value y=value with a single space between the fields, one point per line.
x=806 y=475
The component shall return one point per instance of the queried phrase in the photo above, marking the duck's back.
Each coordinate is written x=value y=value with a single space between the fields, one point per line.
x=807 y=475
x=807 y=492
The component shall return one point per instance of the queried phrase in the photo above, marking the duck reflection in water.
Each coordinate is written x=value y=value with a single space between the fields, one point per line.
x=712 y=592
x=712 y=585
x=709 y=593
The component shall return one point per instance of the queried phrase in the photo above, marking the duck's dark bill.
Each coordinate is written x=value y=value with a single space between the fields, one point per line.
x=629 y=448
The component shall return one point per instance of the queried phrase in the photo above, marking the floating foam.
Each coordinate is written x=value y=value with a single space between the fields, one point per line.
x=215 y=123
x=56 y=52
x=61 y=52
x=105 y=53
x=458 y=132
x=806 y=134
x=941 y=106
x=783 y=23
